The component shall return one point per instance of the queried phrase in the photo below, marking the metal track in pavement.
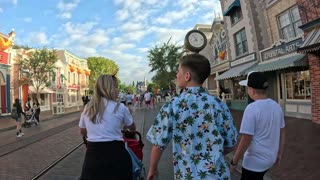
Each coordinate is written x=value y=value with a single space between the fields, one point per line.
x=42 y=172
x=15 y=146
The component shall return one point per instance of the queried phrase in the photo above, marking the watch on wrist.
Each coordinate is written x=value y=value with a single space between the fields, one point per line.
x=232 y=163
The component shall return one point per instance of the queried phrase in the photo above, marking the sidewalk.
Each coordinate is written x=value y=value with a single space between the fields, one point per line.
x=302 y=150
x=6 y=123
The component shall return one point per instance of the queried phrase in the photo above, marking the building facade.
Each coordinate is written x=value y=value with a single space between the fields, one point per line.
x=310 y=19
x=6 y=42
x=286 y=69
x=246 y=35
x=220 y=62
x=71 y=83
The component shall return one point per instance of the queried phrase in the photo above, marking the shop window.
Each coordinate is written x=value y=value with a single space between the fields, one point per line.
x=239 y=92
x=69 y=77
x=241 y=43
x=298 y=85
x=236 y=16
x=43 y=99
x=289 y=23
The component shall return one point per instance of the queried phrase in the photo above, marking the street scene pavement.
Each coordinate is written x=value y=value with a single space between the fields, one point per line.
x=22 y=158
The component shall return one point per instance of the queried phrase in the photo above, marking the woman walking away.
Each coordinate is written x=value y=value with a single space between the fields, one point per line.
x=16 y=115
x=101 y=122
x=36 y=107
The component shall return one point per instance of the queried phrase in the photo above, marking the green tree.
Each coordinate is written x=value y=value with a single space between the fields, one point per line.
x=163 y=60
x=98 y=66
x=152 y=87
x=38 y=69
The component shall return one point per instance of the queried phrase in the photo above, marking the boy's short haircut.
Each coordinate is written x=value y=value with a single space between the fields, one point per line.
x=199 y=66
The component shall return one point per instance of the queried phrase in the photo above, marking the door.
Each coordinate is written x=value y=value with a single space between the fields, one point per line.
x=3 y=99
x=60 y=103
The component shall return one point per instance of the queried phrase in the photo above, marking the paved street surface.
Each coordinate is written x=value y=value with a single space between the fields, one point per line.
x=22 y=158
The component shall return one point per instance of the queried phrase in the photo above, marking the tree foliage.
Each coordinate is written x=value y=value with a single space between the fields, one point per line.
x=98 y=66
x=38 y=69
x=152 y=87
x=163 y=60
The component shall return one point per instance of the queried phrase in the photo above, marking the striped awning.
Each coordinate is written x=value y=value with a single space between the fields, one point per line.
x=236 y=71
x=311 y=42
x=282 y=63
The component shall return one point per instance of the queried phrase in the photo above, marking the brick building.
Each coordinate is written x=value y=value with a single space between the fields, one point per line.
x=310 y=15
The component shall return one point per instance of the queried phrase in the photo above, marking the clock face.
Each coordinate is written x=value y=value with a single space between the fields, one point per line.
x=196 y=40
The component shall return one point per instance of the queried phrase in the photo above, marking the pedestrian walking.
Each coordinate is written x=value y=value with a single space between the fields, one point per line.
x=199 y=124
x=262 y=131
x=36 y=108
x=16 y=115
x=147 y=98
x=101 y=122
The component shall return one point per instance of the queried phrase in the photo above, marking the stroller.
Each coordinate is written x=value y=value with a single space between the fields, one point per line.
x=30 y=118
x=135 y=145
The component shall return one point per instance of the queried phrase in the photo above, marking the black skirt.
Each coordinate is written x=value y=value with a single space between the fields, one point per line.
x=107 y=160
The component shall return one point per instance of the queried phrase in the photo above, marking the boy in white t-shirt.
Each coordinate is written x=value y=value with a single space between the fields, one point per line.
x=262 y=130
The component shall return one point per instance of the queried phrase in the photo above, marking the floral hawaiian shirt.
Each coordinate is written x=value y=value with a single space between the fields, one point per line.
x=200 y=126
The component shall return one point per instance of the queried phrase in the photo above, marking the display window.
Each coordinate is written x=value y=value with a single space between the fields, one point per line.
x=298 y=85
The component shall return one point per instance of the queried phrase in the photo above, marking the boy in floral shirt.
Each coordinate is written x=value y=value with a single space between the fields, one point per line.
x=200 y=125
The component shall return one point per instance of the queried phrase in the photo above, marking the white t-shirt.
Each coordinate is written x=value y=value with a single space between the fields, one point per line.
x=147 y=96
x=110 y=127
x=123 y=97
x=129 y=98
x=263 y=119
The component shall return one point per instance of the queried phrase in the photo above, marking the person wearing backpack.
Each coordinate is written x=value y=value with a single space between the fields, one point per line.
x=16 y=115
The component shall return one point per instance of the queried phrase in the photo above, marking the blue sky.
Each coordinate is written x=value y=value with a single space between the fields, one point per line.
x=120 y=30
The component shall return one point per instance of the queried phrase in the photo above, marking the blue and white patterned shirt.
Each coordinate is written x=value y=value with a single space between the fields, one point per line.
x=200 y=125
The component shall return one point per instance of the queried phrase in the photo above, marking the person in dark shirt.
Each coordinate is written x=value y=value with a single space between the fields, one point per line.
x=17 y=105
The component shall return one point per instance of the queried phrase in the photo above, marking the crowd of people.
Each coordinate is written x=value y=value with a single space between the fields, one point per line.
x=200 y=126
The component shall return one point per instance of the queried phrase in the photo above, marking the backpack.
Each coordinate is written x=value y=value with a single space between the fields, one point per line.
x=14 y=113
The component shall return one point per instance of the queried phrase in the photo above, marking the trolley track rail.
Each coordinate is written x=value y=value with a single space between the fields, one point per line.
x=23 y=143
x=53 y=164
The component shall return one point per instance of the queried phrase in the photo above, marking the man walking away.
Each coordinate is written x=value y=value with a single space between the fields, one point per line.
x=262 y=131
x=199 y=124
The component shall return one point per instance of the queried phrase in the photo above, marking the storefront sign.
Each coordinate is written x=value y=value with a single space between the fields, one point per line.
x=3 y=57
x=282 y=49
x=74 y=86
x=245 y=59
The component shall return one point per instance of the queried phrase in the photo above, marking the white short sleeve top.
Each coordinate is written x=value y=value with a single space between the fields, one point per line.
x=111 y=125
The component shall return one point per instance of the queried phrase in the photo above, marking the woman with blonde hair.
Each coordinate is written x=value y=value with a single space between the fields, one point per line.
x=101 y=122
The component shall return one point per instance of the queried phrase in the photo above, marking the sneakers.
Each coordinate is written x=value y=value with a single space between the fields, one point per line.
x=22 y=134
x=19 y=135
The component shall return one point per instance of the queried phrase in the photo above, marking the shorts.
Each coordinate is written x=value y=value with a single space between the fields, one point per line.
x=18 y=119
x=129 y=103
x=148 y=102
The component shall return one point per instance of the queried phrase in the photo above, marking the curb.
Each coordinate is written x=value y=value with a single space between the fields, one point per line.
x=43 y=120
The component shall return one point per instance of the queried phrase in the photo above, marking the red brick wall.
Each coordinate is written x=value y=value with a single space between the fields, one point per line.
x=309 y=10
x=314 y=68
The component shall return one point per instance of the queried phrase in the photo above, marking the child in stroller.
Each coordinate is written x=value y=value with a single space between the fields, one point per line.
x=30 y=118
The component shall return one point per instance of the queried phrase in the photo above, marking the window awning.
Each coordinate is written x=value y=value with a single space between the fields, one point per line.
x=236 y=71
x=235 y=4
x=311 y=42
x=45 y=90
x=282 y=63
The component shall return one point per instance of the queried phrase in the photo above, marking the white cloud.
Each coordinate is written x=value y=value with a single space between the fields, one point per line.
x=37 y=39
x=65 y=15
x=27 y=19
x=131 y=26
x=15 y=2
x=66 y=8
